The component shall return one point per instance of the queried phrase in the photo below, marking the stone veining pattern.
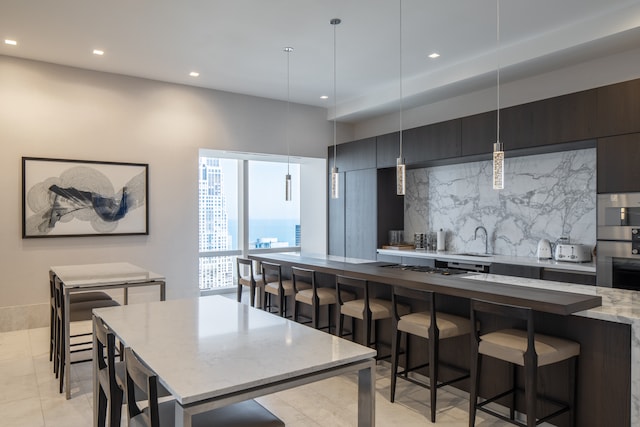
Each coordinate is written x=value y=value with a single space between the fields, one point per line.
x=545 y=197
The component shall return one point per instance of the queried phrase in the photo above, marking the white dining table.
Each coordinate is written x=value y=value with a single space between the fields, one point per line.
x=104 y=276
x=212 y=351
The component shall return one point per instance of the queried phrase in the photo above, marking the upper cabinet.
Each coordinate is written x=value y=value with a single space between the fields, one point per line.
x=564 y=118
x=432 y=142
x=619 y=108
x=478 y=133
x=618 y=170
x=354 y=155
x=388 y=149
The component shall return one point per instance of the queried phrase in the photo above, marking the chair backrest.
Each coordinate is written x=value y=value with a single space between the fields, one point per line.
x=358 y=286
x=244 y=265
x=506 y=311
x=58 y=295
x=271 y=272
x=140 y=376
x=106 y=349
x=303 y=275
x=422 y=295
x=52 y=287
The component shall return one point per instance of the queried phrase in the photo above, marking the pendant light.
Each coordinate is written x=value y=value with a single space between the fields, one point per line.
x=498 y=149
x=287 y=182
x=335 y=176
x=400 y=166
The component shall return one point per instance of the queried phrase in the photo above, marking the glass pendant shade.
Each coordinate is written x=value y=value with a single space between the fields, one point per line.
x=335 y=183
x=287 y=186
x=498 y=166
x=400 y=177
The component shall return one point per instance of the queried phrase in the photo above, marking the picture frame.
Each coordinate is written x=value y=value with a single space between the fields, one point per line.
x=79 y=198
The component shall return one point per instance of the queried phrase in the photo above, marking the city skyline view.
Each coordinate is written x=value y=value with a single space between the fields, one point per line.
x=272 y=221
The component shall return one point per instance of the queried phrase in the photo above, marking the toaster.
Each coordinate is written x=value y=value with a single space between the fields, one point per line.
x=572 y=253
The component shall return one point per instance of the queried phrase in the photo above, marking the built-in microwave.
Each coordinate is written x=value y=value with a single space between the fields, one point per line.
x=618 y=256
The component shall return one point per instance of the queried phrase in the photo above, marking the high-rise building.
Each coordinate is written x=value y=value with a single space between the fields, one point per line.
x=213 y=221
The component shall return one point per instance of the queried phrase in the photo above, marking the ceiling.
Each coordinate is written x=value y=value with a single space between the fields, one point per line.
x=237 y=45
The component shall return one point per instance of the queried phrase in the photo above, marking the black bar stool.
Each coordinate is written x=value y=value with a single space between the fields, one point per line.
x=275 y=286
x=367 y=309
x=315 y=297
x=431 y=325
x=520 y=348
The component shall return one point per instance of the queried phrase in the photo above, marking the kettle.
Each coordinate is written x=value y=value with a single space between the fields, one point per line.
x=544 y=249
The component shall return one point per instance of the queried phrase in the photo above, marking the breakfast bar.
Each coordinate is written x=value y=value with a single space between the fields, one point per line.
x=604 y=322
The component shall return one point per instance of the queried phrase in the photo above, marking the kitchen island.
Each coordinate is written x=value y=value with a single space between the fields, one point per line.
x=606 y=322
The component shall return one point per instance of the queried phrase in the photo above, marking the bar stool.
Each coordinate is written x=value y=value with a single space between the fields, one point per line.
x=78 y=311
x=275 y=286
x=315 y=297
x=431 y=325
x=75 y=298
x=367 y=309
x=246 y=277
x=520 y=348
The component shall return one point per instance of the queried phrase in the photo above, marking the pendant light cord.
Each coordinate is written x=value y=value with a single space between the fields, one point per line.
x=288 y=50
x=335 y=22
x=400 y=66
x=498 y=70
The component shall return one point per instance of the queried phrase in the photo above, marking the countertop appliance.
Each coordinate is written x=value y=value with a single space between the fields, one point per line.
x=618 y=260
x=572 y=253
x=544 y=249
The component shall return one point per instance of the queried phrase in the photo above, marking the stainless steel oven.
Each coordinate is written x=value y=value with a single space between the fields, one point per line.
x=618 y=257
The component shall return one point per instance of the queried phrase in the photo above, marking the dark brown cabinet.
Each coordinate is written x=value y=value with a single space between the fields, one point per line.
x=516 y=127
x=478 y=133
x=387 y=149
x=336 y=229
x=619 y=108
x=360 y=214
x=564 y=118
x=618 y=164
x=354 y=155
x=432 y=142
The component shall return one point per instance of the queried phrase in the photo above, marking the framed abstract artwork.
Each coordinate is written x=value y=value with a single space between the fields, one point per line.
x=64 y=198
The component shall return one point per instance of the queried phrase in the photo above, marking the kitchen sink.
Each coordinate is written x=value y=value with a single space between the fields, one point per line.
x=473 y=254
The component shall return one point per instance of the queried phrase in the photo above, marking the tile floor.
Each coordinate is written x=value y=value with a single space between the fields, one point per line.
x=29 y=394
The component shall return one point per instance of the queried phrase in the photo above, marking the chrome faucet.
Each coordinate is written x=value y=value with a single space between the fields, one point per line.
x=486 y=237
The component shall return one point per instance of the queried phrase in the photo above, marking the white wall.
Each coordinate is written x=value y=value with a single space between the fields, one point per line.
x=587 y=75
x=60 y=112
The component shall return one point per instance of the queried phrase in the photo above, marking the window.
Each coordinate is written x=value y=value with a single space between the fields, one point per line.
x=225 y=185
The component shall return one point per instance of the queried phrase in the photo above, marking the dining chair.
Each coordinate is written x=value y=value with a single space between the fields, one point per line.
x=74 y=297
x=110 y=393
x=248 y=413
x=428 y=324
x=247 y=278
x=79 y=311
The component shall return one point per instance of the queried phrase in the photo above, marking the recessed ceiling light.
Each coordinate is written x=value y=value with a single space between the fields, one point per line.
x=11 y=42
x=98 y=52
x=324 y=97
x=194 y=74
x=434 y=55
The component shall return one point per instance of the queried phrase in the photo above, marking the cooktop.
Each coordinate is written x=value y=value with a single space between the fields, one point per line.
x=426 y=269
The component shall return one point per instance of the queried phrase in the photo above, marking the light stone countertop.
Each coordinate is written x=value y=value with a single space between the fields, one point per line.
x=579 y=267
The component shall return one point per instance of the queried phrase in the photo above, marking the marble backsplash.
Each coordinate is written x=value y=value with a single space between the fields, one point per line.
x=545 y=197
